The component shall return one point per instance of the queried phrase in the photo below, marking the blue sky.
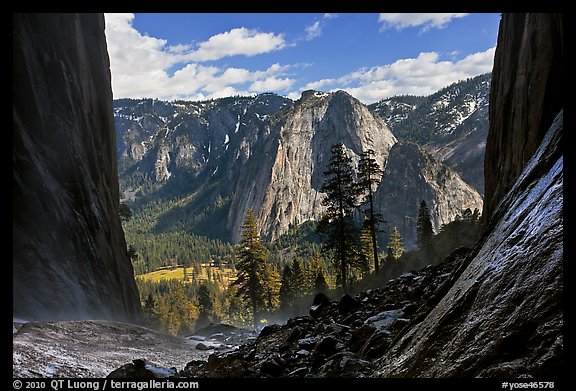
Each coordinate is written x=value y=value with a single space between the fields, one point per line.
x=372 y=56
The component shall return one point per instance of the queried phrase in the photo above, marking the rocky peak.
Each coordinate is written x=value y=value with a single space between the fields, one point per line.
x=286 y=190
x=412 y=175
x=452 y=124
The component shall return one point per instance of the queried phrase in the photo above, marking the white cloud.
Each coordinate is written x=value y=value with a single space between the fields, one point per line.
x=271 y=84
x=140 y=64
x=316 y=85
x=238 y=41
x=422 y=75
x=427 y=21
x=313 y=31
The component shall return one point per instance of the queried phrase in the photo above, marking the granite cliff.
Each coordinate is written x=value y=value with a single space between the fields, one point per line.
x=411 y=175
x=503 y=315
x=221 y=157
x=69 y=253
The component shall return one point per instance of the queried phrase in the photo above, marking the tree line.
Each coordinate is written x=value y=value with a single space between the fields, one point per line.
x=274 y=278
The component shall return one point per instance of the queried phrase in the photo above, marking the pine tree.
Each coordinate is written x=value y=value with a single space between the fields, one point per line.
x=251 y=267
x=287 y=290
x=205 y=301
x=320 y=284
x=395 y=248
x=124 y=212
x=369 y=176
x=271 y=287
x=149 y=311
x=389 y=256
x=336 y=226
x=298 y=281
x=366 y=250
x=424 y=230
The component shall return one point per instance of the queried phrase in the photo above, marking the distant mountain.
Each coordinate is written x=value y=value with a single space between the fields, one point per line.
x=208 y=162
x=413 y=175
x=451 y=123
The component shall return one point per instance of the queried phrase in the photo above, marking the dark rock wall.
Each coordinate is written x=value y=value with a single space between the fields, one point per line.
x=69 y=252
x=525 y=96
x=503 y=316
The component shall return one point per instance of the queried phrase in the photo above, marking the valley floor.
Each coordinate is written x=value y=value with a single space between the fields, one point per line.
x=93 y=348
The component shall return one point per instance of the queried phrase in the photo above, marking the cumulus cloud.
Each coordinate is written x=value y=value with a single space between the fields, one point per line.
x=427 y=21
x=271 y=84
x=422 y=75
x=238 y=41
x=140 y=63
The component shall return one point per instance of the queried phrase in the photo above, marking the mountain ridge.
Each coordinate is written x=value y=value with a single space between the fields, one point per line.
x=452 y=124
x=268 y=153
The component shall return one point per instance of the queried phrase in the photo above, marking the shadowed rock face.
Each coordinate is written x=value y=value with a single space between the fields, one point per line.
x=69 y=252
x=286 y=188
x=503 y=316
x=412 y=175
x=525 y=97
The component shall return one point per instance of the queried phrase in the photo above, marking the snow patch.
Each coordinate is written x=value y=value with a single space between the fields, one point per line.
x=238 y=122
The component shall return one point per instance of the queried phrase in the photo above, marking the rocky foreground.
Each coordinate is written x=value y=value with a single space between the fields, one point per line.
x=338 y=338
x=91 y=348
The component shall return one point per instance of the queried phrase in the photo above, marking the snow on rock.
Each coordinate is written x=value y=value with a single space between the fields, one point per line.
x=238 y=122
x=94 y=349
x=503 y=316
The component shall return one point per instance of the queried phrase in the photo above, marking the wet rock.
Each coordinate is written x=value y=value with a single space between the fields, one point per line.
x=530 y=64
x=383 y=320
x=202 y=346
x=271 y=367
x=409 y=309
x=377 y=344
x=359 y=337
x=295 y=334
x=326 y=346
x=344 y=365
x=227 y=365
x=69 y=252
x=308 y=343
x=321 y=301
x=140 y=368
x=217 y=328
x=269 y=330
x=348 y=304
x=397 y=325
x=492 y=319
x=298 y=372
x=218 y=336
x=303 y=352
x=196 y=338
x=302 y=321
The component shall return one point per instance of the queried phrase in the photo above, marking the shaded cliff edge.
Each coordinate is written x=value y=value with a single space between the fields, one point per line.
x=525 y=97
x=503 y=317
x=69 y=252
